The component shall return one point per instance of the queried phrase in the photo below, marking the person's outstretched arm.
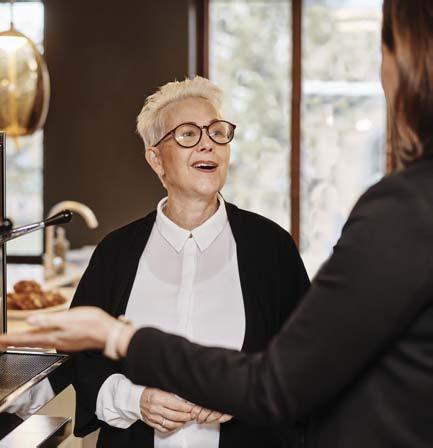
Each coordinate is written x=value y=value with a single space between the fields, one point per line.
x=362 y=299
x=374 y=285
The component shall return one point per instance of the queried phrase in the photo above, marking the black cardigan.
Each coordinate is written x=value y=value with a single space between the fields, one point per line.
x=357 y=354
x=273 y=279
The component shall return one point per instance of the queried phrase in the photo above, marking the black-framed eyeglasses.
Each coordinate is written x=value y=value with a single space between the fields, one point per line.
x=188 y=135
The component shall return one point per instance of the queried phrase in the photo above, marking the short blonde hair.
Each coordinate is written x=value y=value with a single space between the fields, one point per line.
x=150 y=123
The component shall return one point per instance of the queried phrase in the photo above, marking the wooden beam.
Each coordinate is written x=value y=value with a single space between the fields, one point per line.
x=202 y=26
x=295 y=159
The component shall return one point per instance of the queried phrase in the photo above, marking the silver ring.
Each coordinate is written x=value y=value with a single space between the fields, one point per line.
x=163 y=422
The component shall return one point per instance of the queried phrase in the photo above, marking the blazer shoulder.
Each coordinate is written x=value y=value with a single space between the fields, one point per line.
x=410 y=188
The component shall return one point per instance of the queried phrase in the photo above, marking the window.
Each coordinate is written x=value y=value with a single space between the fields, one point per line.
x=342 y=119
x=24 y=156
x=250 y=58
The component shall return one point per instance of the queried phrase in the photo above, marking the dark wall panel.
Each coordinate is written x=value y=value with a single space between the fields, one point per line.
x=104 y=58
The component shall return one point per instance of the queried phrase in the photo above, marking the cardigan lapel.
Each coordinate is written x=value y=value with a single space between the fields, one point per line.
x=250 y=275
x=129 y=259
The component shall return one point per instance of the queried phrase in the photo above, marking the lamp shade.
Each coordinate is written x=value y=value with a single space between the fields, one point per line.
x=24 y=85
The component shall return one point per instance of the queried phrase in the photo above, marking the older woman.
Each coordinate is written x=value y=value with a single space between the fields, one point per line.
x=197 y=267
x=357 y=356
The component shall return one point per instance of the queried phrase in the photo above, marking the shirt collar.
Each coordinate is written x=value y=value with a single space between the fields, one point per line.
x=204 y=235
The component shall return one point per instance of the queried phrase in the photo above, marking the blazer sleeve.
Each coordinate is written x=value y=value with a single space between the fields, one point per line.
x=363 y=298
x=91 y=368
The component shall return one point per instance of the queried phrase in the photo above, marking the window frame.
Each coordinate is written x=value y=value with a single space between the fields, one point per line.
x=294 y=170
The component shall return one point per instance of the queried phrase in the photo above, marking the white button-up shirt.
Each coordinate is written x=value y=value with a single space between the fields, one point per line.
x=187 y=283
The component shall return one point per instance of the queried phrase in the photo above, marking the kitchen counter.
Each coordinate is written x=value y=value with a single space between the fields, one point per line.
x=24 y=389
x=63 y=403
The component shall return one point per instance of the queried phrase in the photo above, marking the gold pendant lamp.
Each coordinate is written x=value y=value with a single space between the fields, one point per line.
x=24 y=84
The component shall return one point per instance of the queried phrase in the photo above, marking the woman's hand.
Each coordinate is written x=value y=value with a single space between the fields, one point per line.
x=164 y=411
x=204 y=415
x=80 y=328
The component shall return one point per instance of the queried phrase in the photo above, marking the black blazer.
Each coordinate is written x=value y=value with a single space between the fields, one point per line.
x=273 y=279
x=357 y=354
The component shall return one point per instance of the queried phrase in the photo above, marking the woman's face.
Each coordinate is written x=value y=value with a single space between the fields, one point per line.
x=178 y=167
x=389 y=74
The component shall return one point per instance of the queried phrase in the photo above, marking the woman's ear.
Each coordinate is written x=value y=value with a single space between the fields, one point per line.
x=153 y=158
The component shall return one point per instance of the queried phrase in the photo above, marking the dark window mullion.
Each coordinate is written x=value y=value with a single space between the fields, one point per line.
x=202 y=26
x=295 y=159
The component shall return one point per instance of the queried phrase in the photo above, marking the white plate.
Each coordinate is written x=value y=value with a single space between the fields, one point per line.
x=67 y=293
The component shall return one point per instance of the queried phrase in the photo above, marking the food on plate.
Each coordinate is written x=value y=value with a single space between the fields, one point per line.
x=27 y=286
x=28 y=295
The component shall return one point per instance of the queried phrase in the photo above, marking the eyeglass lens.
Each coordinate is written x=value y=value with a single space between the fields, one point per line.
x=189 y=134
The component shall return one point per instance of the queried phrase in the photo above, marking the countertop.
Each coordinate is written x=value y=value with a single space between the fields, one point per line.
x=64 y=403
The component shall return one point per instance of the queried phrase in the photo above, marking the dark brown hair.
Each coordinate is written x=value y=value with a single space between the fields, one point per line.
x=407 y=32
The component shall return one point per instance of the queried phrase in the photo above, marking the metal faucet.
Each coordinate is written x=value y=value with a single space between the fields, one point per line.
x=77 y=207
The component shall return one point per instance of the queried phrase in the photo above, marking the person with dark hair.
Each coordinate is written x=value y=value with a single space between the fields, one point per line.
x=355 y=360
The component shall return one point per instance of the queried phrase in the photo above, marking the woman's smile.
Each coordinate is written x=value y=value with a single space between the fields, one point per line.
x=205 y=166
